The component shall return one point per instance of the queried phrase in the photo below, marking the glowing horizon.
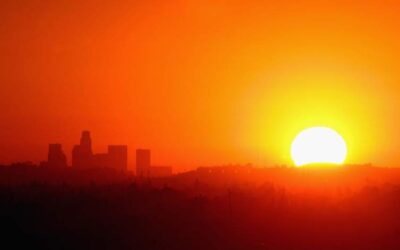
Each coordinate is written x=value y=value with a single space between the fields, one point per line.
x=200 y=83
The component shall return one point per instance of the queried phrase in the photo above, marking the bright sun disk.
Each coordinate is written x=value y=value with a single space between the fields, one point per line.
x=318 y=145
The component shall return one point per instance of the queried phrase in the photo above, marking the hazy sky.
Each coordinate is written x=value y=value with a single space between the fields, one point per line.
x=199 y=82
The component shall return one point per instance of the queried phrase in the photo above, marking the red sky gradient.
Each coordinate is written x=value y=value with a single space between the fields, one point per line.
x=199 y=82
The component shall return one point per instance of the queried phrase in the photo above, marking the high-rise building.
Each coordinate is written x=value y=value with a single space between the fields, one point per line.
x=56 y=156
x=86 y=141
x=143 y=162
x=118 y=157
x=82 y=155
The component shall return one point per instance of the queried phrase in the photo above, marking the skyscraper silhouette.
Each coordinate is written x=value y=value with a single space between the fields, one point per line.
x=86 y=142
x=56 y=157
x=143 y=162
x=82 y=155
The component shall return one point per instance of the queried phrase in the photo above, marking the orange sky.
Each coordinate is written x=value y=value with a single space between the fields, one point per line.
x=199 y=82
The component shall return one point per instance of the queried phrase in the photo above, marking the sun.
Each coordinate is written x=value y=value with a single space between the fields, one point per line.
x=318 y=145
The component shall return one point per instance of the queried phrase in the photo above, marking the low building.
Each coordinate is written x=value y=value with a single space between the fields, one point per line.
x=160 y=171
x=144 y=167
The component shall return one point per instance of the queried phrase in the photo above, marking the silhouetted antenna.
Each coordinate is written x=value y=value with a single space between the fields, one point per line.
x=230 y=203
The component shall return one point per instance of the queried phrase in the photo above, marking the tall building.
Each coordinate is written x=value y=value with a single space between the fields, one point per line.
x=143 y=162
x=86 y=141
x=118 y=157
x=56 y=156
x=82 y=155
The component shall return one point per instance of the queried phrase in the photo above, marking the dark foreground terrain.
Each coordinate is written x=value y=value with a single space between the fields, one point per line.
x=140 y=215
x=132 y=217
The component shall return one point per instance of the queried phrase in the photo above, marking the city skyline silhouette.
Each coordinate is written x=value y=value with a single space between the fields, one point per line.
x=200 y=124
x=200 y=84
